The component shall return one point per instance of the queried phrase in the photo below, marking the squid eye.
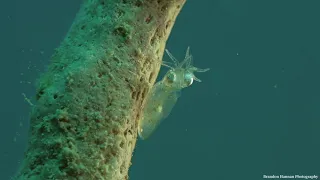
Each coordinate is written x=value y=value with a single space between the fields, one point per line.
x=188 y=79
x=171 y=77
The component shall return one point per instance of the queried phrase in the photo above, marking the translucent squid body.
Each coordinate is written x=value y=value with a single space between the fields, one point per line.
x=165 y=93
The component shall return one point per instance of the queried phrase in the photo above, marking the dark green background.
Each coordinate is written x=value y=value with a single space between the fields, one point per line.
x=256 y=112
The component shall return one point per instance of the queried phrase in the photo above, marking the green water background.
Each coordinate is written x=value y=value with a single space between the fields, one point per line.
x=256 y=112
